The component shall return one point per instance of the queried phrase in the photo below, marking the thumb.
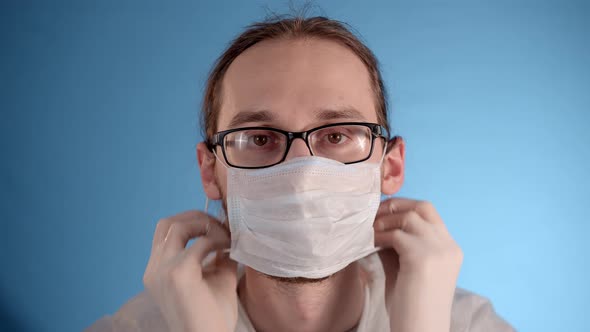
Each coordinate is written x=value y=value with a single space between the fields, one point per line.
x=226 y=271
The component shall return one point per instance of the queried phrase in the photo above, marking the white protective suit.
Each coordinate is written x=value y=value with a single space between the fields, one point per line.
x=470 y=312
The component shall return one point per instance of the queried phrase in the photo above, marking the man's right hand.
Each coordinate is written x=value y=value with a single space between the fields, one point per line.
x=193 y=296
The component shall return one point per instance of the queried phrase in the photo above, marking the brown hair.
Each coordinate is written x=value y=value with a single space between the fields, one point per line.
x=294 y=27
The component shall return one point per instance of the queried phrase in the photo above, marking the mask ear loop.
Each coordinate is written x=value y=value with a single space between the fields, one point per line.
x=383 y=158
x=221 y=215
x=222 y=161
x=384 y=151
x=207 y=198
x=383 y=154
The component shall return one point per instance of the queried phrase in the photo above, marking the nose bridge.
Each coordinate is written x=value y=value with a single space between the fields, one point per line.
x=298 y=148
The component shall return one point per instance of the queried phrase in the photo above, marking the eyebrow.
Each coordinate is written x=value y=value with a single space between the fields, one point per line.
x=243 y=117
x=336 y=114
x=251 y=116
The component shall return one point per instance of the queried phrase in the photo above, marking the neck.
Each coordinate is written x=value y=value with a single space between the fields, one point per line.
x=334 y=304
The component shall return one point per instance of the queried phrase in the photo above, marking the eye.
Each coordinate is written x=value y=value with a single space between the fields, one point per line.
x=260 y=140
x=334 y=138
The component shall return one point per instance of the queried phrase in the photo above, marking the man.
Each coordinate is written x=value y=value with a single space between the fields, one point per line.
x=298 y=150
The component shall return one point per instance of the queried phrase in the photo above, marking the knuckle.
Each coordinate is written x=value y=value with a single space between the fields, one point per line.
x=147 y=280
x=162 y=224
x=147 y=274
x=193 y=270
x=412 y=214
x=175 y=275
x=199 y=213
x=458 y=253
x=453 y=253
x=202 y=246
x=407 y=219
x=424 y=205
x=164 y=221
x=175 y=228
x=393 y=236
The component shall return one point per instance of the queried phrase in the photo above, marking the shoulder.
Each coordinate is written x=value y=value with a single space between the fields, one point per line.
x=140 y=313
x=474 y=313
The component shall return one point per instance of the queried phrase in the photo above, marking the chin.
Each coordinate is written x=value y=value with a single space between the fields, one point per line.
x=298 y=280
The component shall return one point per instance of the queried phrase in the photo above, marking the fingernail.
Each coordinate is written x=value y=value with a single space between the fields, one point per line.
x=392 y=207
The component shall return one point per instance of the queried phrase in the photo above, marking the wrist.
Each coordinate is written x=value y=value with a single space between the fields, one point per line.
x=420 y=303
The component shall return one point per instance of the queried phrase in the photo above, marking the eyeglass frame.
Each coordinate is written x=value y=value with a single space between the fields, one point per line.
x=377 y=131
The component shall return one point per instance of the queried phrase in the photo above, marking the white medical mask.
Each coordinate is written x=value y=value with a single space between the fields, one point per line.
x=307 y=217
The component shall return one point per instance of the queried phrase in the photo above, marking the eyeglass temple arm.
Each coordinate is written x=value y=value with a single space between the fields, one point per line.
x=212 y=142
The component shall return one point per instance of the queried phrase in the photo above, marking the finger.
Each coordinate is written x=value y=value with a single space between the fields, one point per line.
x=410 y=222
x=400 y=204
x=226 y=270
x=396 y=204
x=182 y=231
x=385 y=207
x=192 y=259
x=163 y=226
x=397 y=239
x=205 y=245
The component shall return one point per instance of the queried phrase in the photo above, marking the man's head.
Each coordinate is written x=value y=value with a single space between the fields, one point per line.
x=295 y=74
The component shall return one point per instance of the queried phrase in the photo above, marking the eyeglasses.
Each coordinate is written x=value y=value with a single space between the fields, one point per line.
x=260 y=147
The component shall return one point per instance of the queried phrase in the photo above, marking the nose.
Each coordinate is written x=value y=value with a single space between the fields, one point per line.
x=298 y=149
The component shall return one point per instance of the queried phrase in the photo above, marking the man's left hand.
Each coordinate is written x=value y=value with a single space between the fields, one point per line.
x=427 y=261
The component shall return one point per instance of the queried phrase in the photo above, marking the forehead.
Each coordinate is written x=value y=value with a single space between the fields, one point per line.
x=296 y=84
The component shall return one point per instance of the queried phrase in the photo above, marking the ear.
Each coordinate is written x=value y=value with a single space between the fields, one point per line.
x=207 y=161
x=393 y=166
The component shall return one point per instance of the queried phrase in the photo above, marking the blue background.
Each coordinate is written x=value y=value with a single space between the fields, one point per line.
x=99 y=121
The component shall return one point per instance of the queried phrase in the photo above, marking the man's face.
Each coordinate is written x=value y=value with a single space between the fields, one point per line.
x=295 y=85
